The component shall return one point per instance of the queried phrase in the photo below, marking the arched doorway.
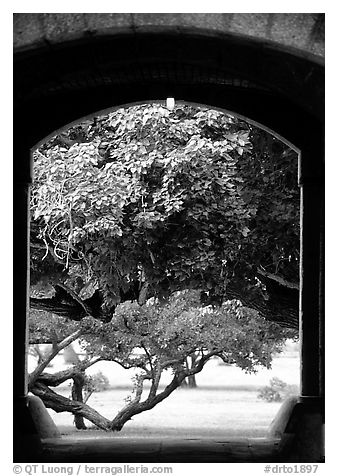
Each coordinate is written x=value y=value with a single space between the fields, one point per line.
x=277 y=87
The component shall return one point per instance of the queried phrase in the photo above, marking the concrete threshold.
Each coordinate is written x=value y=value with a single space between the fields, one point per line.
x=150 y=450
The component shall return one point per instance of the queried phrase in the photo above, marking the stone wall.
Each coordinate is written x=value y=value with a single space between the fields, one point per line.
x=304 y=31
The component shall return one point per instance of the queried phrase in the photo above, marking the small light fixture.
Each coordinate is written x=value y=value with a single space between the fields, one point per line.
x=170 y=103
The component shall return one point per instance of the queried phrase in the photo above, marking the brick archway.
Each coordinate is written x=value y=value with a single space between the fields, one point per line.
x=62 y=81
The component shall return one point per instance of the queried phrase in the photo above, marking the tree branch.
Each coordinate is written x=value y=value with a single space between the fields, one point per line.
x=156 y=376
x=49 y=250
x=282 y=309
x=59 y=377
x=67 y=303
x=148 y=357
x=40 y=368
x=62 y=404
x=172 y=362
x=278 y=279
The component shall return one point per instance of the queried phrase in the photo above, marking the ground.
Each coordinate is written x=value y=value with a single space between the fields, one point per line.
x=224 y=404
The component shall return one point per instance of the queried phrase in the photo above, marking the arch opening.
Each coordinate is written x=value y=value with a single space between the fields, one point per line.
x=184 y=113
x=34 y=121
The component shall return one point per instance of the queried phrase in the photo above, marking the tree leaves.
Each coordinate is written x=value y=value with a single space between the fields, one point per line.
x=166 y=196
x=180 y=328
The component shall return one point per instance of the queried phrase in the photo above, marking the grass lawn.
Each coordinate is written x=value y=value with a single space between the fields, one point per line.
x=186 y=413
x=224 y=404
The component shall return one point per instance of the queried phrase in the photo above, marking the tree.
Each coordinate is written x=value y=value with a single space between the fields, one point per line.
x=144 y=201
x=154 y=338
x=47 y=328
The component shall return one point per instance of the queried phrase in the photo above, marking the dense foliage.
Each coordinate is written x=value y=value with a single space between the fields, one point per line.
x=145 y=201
x=277 y=390
x=170 y=332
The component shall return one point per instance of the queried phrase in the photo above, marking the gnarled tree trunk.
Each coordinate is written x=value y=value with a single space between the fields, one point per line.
x=77 y=396
x=62 y=404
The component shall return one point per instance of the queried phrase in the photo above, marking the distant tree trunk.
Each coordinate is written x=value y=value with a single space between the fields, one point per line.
x=77 y=396
x=190 y=381
x=39 y=353
x=70 y=356
x=192 y=378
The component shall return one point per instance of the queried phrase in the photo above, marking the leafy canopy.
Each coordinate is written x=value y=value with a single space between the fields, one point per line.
x=163 y=200
x=165 y=335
